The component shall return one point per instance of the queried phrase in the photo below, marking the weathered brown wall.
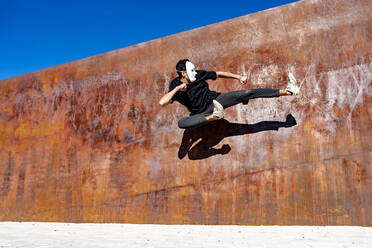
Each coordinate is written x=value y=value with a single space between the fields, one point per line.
x=87 y=141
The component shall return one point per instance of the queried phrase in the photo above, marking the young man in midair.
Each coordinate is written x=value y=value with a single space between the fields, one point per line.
x=191 y=90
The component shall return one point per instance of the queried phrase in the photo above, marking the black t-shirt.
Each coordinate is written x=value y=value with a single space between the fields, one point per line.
x=197 y=96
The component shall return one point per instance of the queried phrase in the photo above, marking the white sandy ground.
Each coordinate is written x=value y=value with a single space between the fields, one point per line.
x=50 y=234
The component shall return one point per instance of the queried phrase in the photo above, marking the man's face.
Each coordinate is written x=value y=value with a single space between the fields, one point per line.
x=190 y=70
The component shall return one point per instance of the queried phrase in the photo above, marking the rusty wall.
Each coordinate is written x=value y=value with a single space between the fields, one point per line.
x=87 y=141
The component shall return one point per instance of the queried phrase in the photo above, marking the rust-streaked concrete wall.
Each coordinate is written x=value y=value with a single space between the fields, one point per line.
x=87 y=141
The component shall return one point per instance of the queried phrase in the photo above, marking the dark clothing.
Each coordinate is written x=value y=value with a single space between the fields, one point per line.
x=197 y=96
x=227 y=100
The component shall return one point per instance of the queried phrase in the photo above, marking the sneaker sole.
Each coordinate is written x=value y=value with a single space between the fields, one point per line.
x=293 y=80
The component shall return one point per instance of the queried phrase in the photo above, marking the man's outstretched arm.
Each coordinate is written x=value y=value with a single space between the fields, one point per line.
x=223 y=74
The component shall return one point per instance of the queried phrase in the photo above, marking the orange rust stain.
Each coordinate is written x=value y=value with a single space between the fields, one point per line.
x=87 y=142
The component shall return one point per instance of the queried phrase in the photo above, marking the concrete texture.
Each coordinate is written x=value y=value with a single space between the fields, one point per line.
x=87 y=141
x=61 y=235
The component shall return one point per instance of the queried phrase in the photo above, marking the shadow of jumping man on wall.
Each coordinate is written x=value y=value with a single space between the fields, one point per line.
x=198 y=142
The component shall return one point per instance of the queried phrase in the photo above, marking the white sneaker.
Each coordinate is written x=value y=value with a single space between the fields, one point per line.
x=292 y=85
x=218 y=110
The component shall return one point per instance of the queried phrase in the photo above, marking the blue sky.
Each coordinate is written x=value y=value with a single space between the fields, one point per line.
x=40 y=34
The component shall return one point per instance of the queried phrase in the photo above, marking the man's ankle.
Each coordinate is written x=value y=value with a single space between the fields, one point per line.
x=211 y=118
x=285 y=93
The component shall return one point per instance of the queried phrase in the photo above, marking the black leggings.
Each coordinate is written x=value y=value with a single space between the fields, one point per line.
x=227 y=100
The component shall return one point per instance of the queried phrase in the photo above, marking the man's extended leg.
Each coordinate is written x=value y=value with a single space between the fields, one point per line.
x=243 y=96
x=235 y=97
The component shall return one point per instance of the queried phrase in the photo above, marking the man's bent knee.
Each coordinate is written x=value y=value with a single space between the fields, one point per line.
x=182 y=123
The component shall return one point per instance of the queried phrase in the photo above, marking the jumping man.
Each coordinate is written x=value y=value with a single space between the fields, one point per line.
x=191 y=90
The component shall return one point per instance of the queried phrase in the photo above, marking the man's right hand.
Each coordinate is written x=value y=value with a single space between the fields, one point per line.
x=182 y=87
